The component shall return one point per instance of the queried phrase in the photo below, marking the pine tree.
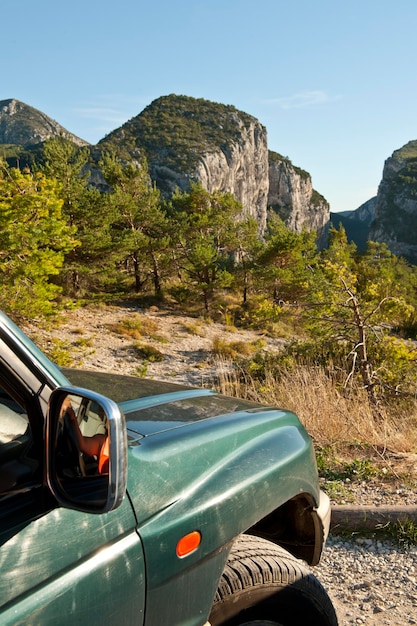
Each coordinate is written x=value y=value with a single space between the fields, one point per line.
x=205 y=238
x=34 y=237
x=91 y=264
x=356 y=303
x=284 y=264
x=140 y=229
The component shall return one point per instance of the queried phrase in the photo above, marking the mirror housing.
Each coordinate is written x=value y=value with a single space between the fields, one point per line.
x=86 y=450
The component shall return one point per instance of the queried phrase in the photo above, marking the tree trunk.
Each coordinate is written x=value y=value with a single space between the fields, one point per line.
x=365 y=367
x=138 y=282
x=75 y=281
x=156 y=277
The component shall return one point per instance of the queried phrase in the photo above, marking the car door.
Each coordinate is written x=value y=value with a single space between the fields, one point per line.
x=58 y=565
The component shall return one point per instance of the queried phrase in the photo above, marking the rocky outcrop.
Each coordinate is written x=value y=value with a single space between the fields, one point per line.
x=365 y=213
x=292 y=197
x=22 y=125
x=395 y=220
x=240 y=168
x=224 y=149
x=356 y=223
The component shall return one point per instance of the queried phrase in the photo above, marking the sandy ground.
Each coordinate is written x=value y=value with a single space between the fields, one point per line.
x=87 y=336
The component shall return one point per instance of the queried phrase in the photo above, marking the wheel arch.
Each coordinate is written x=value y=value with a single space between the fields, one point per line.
x=297 y=526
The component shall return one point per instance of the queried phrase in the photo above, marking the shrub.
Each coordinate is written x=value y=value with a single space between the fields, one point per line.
x=149 y=353
x=60 y=352
x=232 y=349
x=137 y=326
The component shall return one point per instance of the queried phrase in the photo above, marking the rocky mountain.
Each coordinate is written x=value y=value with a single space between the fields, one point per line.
x=395 y=221
x=391 y=216
x=22 y=125
x=292 y=197
x=187 y=139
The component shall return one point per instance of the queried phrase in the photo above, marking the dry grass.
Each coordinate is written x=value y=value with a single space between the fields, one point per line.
x=333 y=419
x=232 y=349
x=194 y=328
x=136 y=327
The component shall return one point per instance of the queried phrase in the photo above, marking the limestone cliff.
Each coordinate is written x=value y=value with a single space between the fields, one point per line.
x=240 y=168
x=395 y=221
x=292 y=197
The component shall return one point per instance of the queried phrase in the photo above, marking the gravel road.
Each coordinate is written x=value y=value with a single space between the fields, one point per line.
x=370 y=582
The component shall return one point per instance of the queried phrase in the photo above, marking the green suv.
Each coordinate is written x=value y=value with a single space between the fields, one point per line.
x=129 y=501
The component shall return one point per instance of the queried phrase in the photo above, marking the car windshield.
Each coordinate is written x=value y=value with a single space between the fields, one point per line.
x=35 y=359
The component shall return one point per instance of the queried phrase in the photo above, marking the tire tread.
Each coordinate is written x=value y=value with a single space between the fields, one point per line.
x=255 y=564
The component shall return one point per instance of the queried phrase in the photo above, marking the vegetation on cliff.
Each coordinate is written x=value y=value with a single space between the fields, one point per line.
x=174 y=131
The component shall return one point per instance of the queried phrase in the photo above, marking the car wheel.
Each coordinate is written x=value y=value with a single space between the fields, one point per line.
x=264 y=585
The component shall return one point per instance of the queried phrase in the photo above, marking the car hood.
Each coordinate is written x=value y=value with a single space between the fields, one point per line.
x=152 y=406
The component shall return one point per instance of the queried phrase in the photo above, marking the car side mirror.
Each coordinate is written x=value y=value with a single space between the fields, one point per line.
x=86 y=445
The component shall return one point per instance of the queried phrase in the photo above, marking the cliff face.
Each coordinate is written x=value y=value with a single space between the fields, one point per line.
x=225 y=149
x=292 y=197
x=240 y=168
x=366 y=212
x=22 y=125
x=395 y=220
x=356 y=223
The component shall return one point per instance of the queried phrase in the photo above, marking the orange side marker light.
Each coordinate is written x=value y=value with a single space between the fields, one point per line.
x=188 y=543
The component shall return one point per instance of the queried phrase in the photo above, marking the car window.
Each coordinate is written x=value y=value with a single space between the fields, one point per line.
x=17 y=466
x=12 y=422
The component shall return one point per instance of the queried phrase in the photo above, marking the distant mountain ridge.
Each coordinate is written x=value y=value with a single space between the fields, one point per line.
x=356 y=223
x=188 y=139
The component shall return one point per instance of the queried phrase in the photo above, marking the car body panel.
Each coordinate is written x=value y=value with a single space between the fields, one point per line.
x=218 y=490
x=54 y=565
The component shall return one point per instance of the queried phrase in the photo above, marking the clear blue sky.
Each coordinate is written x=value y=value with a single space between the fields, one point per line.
x=334 y=82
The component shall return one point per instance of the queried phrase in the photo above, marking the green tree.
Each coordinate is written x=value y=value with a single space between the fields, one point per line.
x=248 y=246
x=140 y=229
x=34 y=237
x=204 y=226
x=285 y=263
x=357 y=302
x=338 y=260
x=92 y=263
